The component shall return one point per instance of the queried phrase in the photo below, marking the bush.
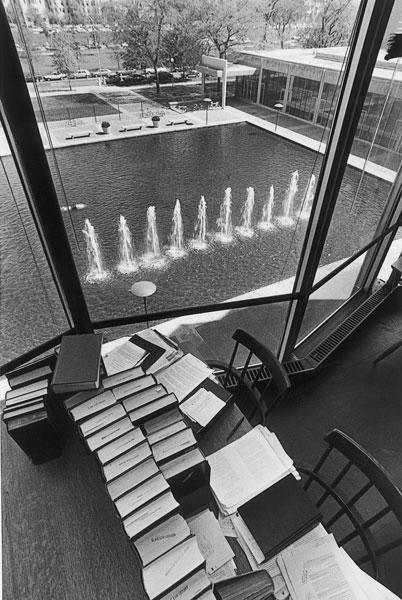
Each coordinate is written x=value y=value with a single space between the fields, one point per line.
x=105 y=124
x=156 y=118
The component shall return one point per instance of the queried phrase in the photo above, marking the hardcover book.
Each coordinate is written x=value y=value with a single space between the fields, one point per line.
x=78 y=363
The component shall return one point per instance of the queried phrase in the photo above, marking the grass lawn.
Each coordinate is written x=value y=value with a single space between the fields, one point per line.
x=72 y=106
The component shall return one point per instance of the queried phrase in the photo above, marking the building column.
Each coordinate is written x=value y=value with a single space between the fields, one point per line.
x=288 y=89
x=224 y=83
x=258 y=99
x=318 y=101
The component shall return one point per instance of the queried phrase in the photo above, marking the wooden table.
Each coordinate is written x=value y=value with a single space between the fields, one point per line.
x=62 y=539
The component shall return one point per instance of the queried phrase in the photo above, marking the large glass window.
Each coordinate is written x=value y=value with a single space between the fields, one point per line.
x=30 y=309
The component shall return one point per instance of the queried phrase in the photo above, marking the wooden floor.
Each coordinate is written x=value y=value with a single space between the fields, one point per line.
x=61 y=538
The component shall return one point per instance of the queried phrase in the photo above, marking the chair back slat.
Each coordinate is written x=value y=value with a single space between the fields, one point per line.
x=246 y=364
x=232 y=358
x=257 y=377
x=370 y=467
x=334 y=483
x=267 y=357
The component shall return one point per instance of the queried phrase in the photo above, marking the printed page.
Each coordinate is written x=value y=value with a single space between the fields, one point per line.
x=202 y=406
x=122 y=357
x=243 y=469
x=211 y=540
x=184 y=375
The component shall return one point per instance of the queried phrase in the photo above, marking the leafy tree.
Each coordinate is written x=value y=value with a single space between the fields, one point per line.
x=64 y=53
x=266 y=9
x=330 y=23
x=285 y=13
x=184 y=43
x=226 y=23
x=75 y=12
x=142 y=33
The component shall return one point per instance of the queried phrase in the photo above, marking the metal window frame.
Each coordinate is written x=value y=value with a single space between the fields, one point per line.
x=22 y=133
x=370 y=25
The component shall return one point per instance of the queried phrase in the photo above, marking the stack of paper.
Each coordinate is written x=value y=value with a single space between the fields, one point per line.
x=183 y=376
x=246 y=467
x=171 y=352
x=202 y=406
x=320 y=569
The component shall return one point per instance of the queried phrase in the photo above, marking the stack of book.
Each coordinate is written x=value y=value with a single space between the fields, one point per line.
x=136 y=432
x=26 y=413
x=256 y=585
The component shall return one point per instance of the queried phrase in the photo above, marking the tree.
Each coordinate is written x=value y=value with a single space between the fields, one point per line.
x=142 y=33
x=266 y=8
x=64 y=57
x=284 y=14
x=184 y=42
x=331 y=23
x=75 y=12
x=225 y=22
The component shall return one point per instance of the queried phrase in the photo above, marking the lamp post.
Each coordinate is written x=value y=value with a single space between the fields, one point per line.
x=172 y=68
x=143 y=289
x=208 y=103
x=278 y=106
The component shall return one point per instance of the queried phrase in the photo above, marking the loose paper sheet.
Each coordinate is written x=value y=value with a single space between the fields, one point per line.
x=211 y=540
x=202 y=406
x=122 y=357
x=184 y=376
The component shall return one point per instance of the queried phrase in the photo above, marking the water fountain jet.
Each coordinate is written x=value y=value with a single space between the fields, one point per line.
x=224 y=222
x=200 y=229
x=176 y=249
x=308 y=199
x=152 y=258
x=287 y=218
x=266 y=222
x=127 y=262
x=96 y=271
x=245 y=228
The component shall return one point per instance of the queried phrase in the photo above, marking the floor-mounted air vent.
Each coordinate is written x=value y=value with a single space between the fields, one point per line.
x=343 y=331
x=297 y=366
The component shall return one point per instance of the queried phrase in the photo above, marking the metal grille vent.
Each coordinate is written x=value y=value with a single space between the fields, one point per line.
x=350 y=324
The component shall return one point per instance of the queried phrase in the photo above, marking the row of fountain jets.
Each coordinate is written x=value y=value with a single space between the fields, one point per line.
x=153 y=258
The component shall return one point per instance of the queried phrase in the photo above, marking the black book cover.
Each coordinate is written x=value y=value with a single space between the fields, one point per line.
x=279 y=515
x=78 y=363
x=35 y=435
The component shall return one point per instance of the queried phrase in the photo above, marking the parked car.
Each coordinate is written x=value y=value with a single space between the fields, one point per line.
x=164 y=77
x=30 y=79
x=126 y=80
x=103 y=73
x=55 y=76
x=81 y=74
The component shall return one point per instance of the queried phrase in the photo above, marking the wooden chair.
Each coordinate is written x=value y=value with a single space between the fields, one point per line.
x=257 y=388
x=354 y=494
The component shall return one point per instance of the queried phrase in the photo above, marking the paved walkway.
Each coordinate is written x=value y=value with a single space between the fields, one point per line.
x=379 y=155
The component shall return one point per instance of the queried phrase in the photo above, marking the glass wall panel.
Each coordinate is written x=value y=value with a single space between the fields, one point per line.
x=273 y=87
x=30 y=309
x=329 y=297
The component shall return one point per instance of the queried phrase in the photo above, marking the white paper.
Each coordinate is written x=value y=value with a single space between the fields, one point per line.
x=211 y=540
x=225 y=523
x=123 y=357
x=184 y=376
x=243 y=469
x=316 y=570
x=202 y=406
x=225 y=572
x=371 y=587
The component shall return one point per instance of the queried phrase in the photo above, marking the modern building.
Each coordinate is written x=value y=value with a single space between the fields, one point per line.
x=52 y=10
x=306 y=83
